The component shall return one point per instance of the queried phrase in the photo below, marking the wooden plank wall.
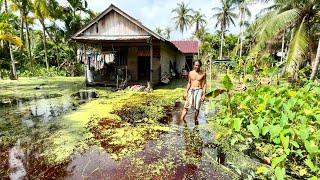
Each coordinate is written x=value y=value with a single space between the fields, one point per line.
x=133 y=63
x=114 y=23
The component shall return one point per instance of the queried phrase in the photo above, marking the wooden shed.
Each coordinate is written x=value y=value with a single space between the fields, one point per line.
x=117 y=48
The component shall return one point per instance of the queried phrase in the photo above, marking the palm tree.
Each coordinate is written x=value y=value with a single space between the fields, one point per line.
x=300 y=18
x=243 y=11
x=316 y=64
x=183 y=17
x=6 y=35
x=41 y=12
x=13 y=74
x=200 y=34
x=91 y=15
x=158 y=30
x=24 y=7
x=224 y=17
x=198 y=19
x=167 y=32
x=78 y=5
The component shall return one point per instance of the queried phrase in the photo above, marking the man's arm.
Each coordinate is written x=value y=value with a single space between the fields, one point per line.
x=188 y=85
x=204 y=86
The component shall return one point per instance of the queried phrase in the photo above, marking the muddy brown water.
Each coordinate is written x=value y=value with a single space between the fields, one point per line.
x=182 y=153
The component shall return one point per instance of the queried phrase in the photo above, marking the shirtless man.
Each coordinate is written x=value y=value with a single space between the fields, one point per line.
x=196 y=90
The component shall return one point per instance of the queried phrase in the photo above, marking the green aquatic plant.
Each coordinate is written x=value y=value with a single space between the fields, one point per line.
x=287 y=118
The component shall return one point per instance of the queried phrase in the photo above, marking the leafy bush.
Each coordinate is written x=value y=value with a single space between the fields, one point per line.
x=286 y=117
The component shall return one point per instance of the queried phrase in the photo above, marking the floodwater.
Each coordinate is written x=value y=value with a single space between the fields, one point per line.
x=184 y=152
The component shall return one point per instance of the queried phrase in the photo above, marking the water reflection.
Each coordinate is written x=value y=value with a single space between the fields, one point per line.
x=84 y=95
x=25 y=162
x=22 y=149
x=16 y=156
x=43 y=110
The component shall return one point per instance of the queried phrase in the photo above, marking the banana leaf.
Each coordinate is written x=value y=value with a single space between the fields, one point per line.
x=215 y=93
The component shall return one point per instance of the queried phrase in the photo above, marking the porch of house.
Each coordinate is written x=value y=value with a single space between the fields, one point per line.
x=120 y=63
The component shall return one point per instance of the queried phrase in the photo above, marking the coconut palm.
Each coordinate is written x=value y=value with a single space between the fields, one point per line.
x=6 y=35
x=24 y=6
x=183 y=17
x=300 y=18
x=201 y=33
x=198 y=19
x=316 y=64
x=244 y=12
x=41 y=12
x=158 y=30
x=224 y=16
x=167 y=32
x=77 y=5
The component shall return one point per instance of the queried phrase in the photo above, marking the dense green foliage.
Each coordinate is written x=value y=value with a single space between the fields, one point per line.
x=46 y=49
x=288 y=118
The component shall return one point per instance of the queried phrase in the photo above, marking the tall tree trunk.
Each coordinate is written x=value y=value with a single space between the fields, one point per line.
x=29 y=44
x=45 y=45
x=6 y=5
x=282 y=47
x=221 y=44
x=241 y=44
x=57 y=48
x=316 y=64
x=1 y=72
x=13 y=74
x=21 y=31
x=238 y=43
x=241 y=34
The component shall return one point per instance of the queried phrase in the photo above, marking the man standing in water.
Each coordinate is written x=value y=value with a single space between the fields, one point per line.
x=196 y=90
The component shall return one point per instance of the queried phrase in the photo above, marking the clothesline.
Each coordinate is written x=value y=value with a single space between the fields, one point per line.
x=96 y=59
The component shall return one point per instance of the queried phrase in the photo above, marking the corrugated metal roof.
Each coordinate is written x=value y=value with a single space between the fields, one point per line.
x=187 y=46
x=110 y=38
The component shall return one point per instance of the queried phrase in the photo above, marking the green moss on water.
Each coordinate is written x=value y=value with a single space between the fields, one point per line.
x=83 y=127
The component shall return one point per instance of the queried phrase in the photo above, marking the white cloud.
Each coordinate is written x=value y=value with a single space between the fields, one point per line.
x=154 y=13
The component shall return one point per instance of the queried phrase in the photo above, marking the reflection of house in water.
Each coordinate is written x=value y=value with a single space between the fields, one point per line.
x=116 y=46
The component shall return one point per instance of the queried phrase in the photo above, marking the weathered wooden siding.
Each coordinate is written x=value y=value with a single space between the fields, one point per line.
x=168 y=54
x=114 y=24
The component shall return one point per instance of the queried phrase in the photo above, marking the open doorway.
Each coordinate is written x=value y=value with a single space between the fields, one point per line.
x=189 y=60
x=143 y=67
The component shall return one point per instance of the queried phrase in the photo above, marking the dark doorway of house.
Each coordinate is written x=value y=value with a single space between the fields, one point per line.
x=143 y=67
x=189 y=65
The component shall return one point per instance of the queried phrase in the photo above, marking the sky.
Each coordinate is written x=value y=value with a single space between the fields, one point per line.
x=157 y=13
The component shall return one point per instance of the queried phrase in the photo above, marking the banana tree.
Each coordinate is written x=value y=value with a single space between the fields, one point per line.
x=227 y=87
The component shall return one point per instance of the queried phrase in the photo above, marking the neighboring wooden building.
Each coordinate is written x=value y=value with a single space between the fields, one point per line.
x=115 y=43
x=189 y=49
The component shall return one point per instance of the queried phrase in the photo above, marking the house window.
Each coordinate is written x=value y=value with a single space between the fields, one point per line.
x=97 y=28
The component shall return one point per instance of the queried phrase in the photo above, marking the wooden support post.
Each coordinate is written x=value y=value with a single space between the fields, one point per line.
x=151 y=60
x=117 y=81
